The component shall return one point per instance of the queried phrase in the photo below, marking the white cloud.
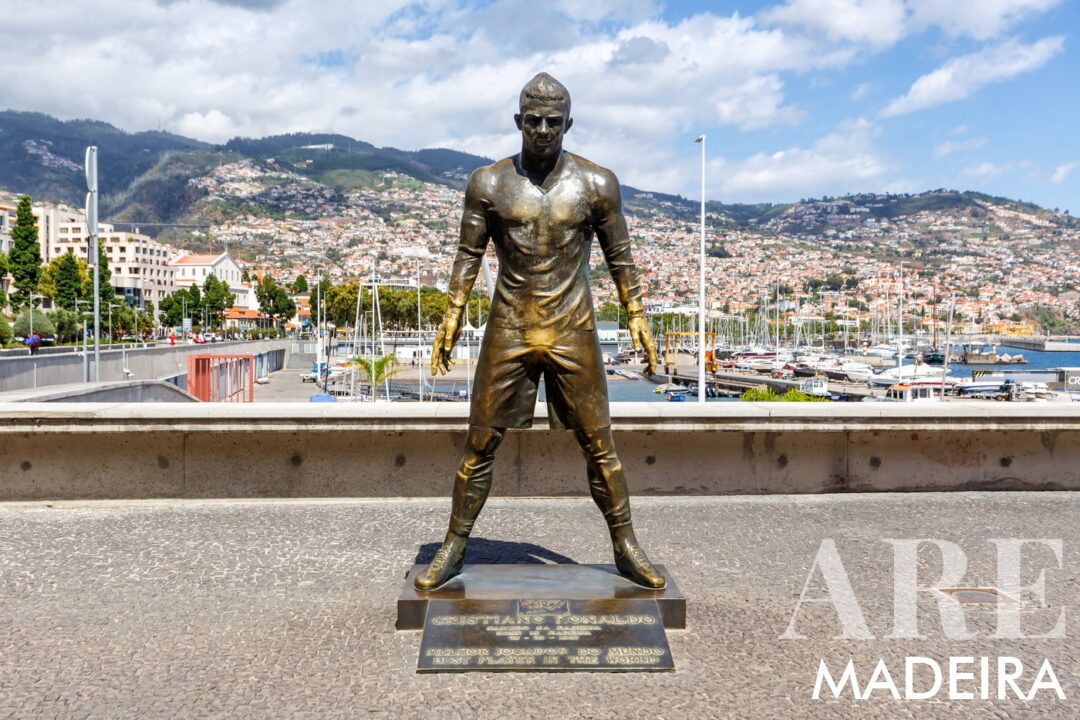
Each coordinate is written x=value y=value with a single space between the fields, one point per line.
x=446 y=73
x=988 y=170
x=438 y=72
x=950 y=146
x=860 y=90
x=842 y=162
x=1062 y=172
x=980 y=19
x=961 y=76
x=214 y=126
x=877 y=23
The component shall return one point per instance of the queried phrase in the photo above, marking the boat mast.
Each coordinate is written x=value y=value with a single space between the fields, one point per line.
x=900 y=322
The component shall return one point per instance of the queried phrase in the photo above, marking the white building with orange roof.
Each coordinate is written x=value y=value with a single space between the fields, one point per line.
x=192 y=269
x=245 y=320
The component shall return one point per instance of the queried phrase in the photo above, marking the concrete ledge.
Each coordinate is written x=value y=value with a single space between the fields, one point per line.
x=204 y=450
x=125 y=391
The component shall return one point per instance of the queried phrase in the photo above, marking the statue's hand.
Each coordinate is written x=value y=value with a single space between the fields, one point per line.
x=642 y=338
x=442 y=351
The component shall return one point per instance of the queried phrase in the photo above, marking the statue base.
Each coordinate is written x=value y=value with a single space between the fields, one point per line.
x=539 y=581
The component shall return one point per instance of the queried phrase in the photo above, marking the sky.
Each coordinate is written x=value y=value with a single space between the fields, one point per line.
x=796 y=98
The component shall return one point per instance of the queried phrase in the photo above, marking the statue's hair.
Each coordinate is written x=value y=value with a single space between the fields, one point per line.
x=544 y=88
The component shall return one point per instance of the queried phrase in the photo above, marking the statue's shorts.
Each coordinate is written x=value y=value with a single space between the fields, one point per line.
x=509 y=369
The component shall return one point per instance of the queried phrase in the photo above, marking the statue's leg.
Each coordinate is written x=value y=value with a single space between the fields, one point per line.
x=608 y=487
x=471 y=487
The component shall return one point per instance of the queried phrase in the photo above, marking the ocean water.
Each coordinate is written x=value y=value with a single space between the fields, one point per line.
x=1035 y=361
x=622 y=390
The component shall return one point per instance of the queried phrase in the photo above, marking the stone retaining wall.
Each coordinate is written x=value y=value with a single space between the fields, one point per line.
x=272 y=450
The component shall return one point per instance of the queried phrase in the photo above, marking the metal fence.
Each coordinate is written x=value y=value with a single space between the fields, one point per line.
x=222 y=378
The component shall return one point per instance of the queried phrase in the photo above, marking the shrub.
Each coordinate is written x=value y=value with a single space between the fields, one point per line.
x=43 y=326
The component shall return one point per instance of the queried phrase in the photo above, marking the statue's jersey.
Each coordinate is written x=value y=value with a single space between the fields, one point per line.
x=542 y=236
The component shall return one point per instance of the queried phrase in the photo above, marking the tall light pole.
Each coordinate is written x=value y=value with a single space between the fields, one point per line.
x=30 y=312
x=419 y=342
x=85 y=357
x=701 y=289
x=91 y=227
x=111 y=306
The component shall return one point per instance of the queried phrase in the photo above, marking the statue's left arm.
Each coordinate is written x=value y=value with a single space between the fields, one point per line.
x=611 y=231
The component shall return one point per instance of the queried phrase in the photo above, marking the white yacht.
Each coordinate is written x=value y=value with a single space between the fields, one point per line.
x=909 y=394
x=917 y=374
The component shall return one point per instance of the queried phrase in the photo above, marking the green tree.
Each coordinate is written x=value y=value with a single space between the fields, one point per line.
x=145 y=323
x=69 y=282
x=106 y=293
x=5 y=268
x=5 y=331
x=300 y=284
x=432 y=306
x=216 y=299
x=25 y=257
x=123 y=321
x=264 y=289
x=66 y=323
x=274 y=300
x=377 y=370
x=321 y=288
x=63 y=286
x=43 y=326
x=171 y=310
x=245 y=276
x=612 y=311
x=341 y=302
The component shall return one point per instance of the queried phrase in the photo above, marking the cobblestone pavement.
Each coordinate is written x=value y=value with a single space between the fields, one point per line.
x=284 y=609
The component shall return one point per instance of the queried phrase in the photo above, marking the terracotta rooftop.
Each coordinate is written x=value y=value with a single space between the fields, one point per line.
x=196 y=260
x=241 y=313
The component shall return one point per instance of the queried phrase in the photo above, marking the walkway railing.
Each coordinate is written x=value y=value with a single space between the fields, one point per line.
x=222 y=378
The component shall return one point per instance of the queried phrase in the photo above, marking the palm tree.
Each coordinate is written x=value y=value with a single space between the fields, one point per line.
x=377 y=370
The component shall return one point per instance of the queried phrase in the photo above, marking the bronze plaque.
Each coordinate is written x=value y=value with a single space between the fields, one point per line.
x=539 y=581
x=611 y=635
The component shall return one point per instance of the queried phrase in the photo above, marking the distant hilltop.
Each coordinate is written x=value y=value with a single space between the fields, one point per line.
x=153 y=177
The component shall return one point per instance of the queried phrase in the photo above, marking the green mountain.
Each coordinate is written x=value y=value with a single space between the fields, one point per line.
x=146 y=177
x=156 y=178
x=43 y=156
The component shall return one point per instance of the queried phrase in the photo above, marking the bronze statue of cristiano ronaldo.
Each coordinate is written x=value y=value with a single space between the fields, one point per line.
x=541 y=209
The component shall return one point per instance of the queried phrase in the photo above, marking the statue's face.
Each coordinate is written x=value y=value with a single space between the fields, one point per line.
x=542 y=128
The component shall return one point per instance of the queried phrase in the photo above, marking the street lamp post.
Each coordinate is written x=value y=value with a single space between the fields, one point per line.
x=85 y=357
x=90 y=165
x=701 y=289
x=30 y=310
x=419 y=342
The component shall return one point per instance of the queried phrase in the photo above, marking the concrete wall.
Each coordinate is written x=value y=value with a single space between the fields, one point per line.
x=205 y=450
x=127 y=391
x=150 y=363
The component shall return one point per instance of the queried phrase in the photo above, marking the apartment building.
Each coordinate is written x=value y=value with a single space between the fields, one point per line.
x=140 y=265
x=7 y=221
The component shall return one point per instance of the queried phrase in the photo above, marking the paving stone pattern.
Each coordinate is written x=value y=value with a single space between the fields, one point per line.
x=286 y=609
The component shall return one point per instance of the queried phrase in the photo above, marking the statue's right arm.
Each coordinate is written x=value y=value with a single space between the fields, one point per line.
x=472 y=243
x=470 y=253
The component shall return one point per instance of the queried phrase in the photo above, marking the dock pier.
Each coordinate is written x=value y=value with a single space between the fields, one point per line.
x=732 y=384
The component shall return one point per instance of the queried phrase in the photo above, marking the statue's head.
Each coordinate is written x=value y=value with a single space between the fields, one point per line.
x=544 y=115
